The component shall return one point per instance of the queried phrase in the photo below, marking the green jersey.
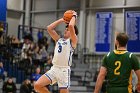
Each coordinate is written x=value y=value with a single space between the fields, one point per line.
x=119 y=66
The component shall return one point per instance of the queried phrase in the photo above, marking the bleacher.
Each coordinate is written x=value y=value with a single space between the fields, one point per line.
x=83 y=69
x=83 y=72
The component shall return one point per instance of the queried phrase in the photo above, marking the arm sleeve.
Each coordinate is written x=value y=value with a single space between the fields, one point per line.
x=104 y=62
x=135 y=62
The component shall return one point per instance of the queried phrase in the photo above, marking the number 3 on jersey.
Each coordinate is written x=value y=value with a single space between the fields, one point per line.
x=59 y=48
x=118 y=64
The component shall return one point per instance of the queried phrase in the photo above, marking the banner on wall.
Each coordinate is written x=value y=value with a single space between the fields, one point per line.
x=133 y=30
x=103 y=31
x=3 y=9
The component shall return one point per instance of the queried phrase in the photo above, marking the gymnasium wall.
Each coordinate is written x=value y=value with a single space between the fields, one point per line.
x=118 y=7
x=13 y=22
x=113 y=3
x=133 y=2
x=45 y=12
x=14 y=14
x=41 y=14
x=14 y=4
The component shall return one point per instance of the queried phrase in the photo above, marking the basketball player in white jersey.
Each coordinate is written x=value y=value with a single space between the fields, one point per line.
x=60 y=71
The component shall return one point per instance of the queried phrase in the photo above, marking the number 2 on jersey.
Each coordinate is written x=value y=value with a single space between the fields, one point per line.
x=118 y=64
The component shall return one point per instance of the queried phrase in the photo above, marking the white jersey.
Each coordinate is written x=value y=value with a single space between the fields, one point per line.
x=63 y=53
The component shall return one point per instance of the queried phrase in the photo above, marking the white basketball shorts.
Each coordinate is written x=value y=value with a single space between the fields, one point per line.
x=61 y=75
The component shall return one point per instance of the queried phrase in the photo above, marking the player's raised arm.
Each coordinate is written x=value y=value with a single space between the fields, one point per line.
x=72 y=27
x=51 y=29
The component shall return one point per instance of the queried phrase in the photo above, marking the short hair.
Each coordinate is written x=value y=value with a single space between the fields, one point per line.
x=29 y=37
x=122 y=39
x=75 y=28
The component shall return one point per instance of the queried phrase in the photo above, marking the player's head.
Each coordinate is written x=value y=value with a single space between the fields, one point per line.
x=67 y=32
x=1 y=24
x=10 y=80
x=28 y=38
x=37 y=70
x=121 y=39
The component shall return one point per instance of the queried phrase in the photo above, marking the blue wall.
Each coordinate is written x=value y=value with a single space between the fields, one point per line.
x=3 y=9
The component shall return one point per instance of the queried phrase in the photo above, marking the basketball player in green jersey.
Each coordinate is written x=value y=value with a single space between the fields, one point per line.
x=117 y=66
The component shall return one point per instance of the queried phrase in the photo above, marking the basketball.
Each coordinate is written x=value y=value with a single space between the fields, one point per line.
x=68 y=15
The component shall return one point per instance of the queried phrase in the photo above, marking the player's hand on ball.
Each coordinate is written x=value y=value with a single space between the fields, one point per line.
x=62 y=20
x=75 y=14
x=67 y=22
